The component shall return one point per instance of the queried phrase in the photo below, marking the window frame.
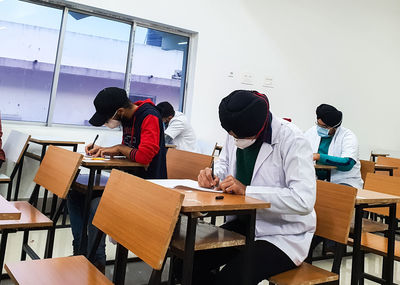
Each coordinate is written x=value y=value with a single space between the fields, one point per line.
x=67 y=7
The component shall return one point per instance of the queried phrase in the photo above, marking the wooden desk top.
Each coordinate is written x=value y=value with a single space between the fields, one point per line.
x=111 y=163
x=170 y=146
x=384 y=167
x=374 y=198
x=54 y=141
x=324 y=167
x=61 y=270
x=199 y=201
x=380 y=154
x=8 y=211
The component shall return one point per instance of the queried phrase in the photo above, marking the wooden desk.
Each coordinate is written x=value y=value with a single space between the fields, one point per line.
x=45 y=143
x=8 y=211
x=389 y=168
x=203 y=204
x=96 y=166
x=370 y=199
x=170 y=146
x=375 y=155
x=327 y=168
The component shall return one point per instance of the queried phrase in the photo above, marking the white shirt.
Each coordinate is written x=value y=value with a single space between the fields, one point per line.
x=344 y=144
x=283 y=175
x=181 y=133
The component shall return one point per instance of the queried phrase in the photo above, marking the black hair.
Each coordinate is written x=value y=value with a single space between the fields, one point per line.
x=165 y=109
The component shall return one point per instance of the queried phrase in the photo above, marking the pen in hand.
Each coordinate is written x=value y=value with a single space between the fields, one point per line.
x=95 y=139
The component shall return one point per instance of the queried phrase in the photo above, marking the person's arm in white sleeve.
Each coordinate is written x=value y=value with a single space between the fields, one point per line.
x=175 y=128
x=298 y=197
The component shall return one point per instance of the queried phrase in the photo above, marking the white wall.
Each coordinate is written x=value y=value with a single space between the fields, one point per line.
x=341 y=52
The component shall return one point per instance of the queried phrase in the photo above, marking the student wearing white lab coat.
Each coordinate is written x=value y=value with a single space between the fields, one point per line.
x=335 y=145
x=178 y=130
x=267 y=158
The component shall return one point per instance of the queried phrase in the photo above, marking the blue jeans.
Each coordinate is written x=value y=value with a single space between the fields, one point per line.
x=75 y=204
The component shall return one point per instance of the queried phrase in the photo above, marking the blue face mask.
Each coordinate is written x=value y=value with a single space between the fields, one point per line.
x=322 y=132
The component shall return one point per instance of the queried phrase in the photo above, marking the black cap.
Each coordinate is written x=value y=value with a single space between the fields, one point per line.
x=329 y=115
x=107 y=102
x=244 y=112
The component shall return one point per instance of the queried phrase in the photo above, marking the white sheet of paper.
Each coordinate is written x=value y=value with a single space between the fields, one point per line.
x=172 y=183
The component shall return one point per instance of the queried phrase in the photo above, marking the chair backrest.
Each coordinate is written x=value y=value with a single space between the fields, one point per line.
x=183 y=164
x=217 y=148
x=15 y=146
x=391 y=161
x=383 y=184
x=139 y=215
x=58 y=170
x=367 y=166
x=334 y=207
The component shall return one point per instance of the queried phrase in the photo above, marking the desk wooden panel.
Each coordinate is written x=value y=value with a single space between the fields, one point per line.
x=111 y=163
x=324 y=167
x=170 y=146
x=8 y=211
x=374 y=198
x=54 y=141
x=381 y=167
x=30 y=218
x=60 y=271
x=199 y=201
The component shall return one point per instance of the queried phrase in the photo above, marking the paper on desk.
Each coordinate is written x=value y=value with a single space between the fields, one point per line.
x=172 y=183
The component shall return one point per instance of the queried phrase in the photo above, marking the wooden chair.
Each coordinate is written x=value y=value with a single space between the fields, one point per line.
x=217 y=148
x=367 y=166
x=138 y=214
x=56 y=173
x=14 y=148
x=185 y=164
x=391 y=161
x=334 y=207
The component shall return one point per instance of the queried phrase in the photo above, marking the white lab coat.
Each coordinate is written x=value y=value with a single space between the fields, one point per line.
x=181 y=133
x=344 y=144
x=283 y=175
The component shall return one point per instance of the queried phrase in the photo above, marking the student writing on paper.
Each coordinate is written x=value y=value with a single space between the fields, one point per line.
x=335 y=145
x=142 y=141
x=178 y=131
x=267 y=158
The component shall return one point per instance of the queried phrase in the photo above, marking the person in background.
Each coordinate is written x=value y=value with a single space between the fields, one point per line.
x=335 y=145
x=267 y=158
x=2 y=154
x=178 y=130
x=142 y=141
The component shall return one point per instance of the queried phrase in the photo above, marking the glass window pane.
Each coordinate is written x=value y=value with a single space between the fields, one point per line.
x=159 y=67
x=28 y=36
x=94 y=57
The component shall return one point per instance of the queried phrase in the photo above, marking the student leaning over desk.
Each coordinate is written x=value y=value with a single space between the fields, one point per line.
x=267 y=158
x=335 y=145
x=142 y=141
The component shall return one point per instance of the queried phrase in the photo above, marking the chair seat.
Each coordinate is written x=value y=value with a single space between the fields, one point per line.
x=305 y=274
x=56 y=271
x=30 y=218
x=4 y=178
x=81 y=183
x=370 y=226
x=208 y=237
x=377 y=244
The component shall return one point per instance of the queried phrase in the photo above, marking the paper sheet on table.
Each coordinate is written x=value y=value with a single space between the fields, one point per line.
x=172 y=183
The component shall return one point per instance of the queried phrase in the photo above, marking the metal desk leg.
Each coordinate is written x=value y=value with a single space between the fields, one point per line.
x=328 y=175
x=388 y=262
x=250 y=233
x=82 y=249
x=188 y=257
x=120 y=265
x=355 y=266
x=75 y=148
x=390 y=172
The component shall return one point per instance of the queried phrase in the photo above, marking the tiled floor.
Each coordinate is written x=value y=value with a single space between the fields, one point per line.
x=138 y=273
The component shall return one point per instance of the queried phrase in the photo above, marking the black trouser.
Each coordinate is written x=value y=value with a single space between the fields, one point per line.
x=267 y=259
